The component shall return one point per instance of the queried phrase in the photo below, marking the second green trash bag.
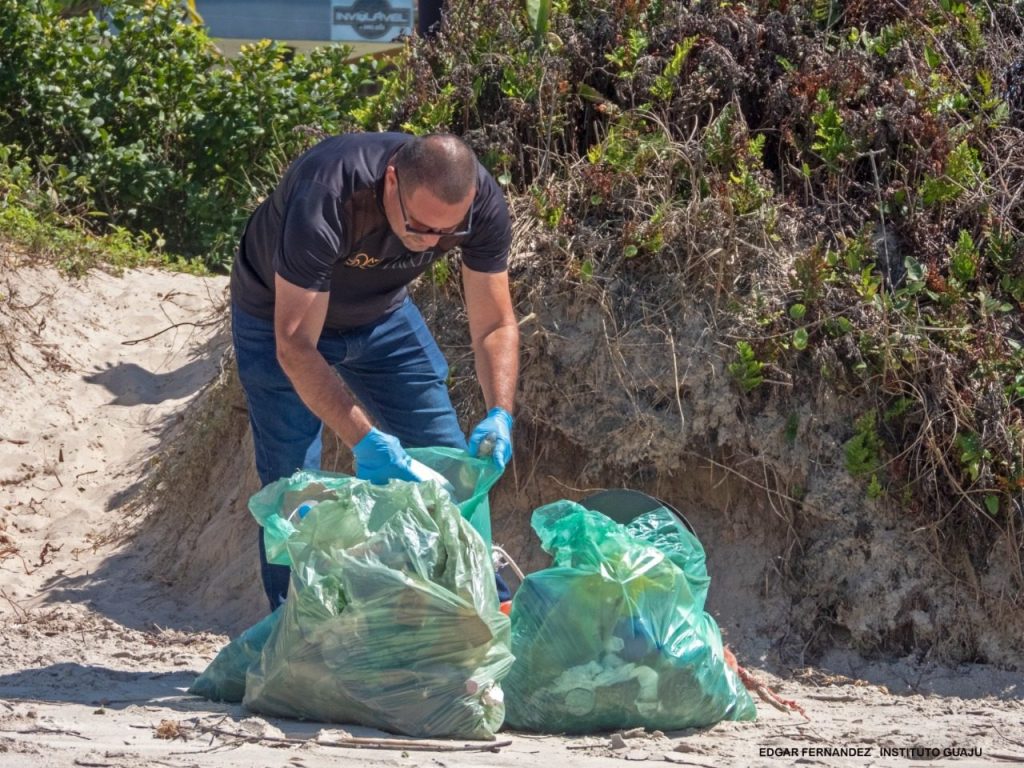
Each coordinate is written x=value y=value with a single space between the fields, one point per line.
x=614 y=635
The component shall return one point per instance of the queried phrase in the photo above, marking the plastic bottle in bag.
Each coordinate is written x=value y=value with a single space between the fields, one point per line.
x=300 y=511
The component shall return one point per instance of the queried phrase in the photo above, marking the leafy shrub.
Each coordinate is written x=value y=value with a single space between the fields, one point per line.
x=876 y=138
x=136 y=118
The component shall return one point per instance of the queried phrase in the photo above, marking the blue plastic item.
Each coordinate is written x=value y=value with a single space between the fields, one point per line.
x=493 y=437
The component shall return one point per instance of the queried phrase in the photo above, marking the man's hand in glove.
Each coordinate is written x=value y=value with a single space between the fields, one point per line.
x=380 y=457
x=493 y=436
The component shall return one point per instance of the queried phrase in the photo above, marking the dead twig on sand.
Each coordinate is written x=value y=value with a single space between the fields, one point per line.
x=14 y=360
x=182 y=729
x=683 y=761
x=43 y=729
x=1006 y=757
x=20 y=612
x=171 y=327
x=1007 y=738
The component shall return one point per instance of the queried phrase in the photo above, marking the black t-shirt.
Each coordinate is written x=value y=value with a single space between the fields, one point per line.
x=324 y=228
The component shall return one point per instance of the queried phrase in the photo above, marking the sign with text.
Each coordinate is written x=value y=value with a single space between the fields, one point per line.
x=379 y=20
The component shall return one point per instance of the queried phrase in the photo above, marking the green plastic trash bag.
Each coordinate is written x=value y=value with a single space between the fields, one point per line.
x=224 y=678
x=275 y=507
x=614 y=634
x=392 y=617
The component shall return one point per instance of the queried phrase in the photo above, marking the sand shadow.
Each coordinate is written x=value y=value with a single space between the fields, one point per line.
x=132 y=385
x=911 y=677
x=113 y=689
x=116 y=591
x=89 y=685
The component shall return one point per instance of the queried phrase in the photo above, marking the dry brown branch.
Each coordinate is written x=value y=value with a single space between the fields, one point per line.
x=14 y=360
x=172 y=326
x=44 y=729
x=168 y=729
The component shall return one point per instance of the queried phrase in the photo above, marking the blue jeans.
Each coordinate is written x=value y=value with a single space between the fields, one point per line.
x=394 y=367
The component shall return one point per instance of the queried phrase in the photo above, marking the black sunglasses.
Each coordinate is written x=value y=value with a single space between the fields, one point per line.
x=415 y=229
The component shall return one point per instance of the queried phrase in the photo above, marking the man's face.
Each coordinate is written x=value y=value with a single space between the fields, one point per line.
x=420 y=219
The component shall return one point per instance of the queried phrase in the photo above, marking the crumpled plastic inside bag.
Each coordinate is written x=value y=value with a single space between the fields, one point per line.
x=471 y=479
x=614 y=634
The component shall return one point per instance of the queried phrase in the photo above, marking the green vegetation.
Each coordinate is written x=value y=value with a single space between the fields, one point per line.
x=135 y=121
x=838 y=181
x=746 y=369
x=863 y=452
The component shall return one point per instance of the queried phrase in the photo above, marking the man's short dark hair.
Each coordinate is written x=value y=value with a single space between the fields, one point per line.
x=441 y=162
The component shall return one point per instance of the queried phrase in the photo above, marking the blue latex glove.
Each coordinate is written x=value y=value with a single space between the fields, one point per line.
x=493 y=435
x=380 y=457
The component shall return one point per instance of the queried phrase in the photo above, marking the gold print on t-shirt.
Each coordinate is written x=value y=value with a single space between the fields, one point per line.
x=362 y=261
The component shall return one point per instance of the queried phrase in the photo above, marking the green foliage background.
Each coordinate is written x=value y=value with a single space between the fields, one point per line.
x=134 y=120
x=860 y=160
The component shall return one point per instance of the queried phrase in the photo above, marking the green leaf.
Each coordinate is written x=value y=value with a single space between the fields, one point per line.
x=984 y=78
x=440 y=272
x=800 y=339
x=537 y=13
x=664 y=84
x=875 y=489
x=746 y=369
x=915 y=270
x=587 y=269
x=630 y=251
x=964 y=258
x=797 y=312
x=589 y=93
x=992 y=504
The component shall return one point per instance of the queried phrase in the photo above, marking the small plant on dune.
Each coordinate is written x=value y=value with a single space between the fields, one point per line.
x=863 y=453
x=831 y=142
x=746 y=369
x=665 y=84
x=963 y=173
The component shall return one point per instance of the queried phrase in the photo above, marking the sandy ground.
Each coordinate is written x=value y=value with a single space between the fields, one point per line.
x=93 y=374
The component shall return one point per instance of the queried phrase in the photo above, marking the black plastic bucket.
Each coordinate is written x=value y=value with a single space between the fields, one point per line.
x=624 y=505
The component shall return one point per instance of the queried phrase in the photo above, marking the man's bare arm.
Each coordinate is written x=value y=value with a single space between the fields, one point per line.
x=495 y=336
x=298 y=320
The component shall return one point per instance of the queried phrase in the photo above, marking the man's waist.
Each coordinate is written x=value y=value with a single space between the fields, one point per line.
x=346 y=319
